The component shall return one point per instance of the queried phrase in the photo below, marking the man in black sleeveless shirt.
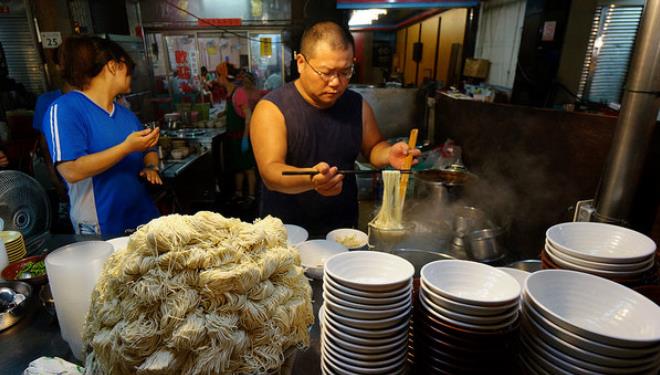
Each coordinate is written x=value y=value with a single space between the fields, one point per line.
x=316 y=123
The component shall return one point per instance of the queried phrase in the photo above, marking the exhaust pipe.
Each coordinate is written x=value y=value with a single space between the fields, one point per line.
x=635 y=125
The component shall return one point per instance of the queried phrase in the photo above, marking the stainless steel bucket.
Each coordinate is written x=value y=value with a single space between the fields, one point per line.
x=485 y=245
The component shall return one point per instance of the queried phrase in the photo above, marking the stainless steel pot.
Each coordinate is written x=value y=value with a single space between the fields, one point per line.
x=442 y=186
x=485 y=245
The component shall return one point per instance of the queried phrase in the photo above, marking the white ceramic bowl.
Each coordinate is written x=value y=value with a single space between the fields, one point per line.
x=593 y=307
x=470 y=319
x=520 y=275
x=359 y=356
x=369 y=334
x=584 y=343
x=346 y=368
x=396 y=359
x=370 y=345
x=576 y=365
x=599 y=242
x=468 y=326
x=368 y=323
x=315 y=253
x=578 y=356
x=465 y=308
x=620 y=267
x=554 y=255
x=345 y=235
x=404 y=295
x=471 y=282
x=370 y=271
x=295 y=234
x=119 y=242
x=396 y=293
x=329 y=294
x=358 y=313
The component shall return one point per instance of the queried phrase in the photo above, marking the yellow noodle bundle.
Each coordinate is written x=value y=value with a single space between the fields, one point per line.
x=200 y=294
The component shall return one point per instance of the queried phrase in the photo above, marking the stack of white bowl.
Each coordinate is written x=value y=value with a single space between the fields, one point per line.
x=364 y=318
x=469 y=295
x=467 y=301
x=576 y=323
x=606 y=250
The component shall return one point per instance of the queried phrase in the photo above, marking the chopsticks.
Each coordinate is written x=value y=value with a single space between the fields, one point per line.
x=403 y=184
x=342 y=171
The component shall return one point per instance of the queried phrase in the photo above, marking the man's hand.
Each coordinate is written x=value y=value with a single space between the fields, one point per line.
x=152 y=176
x=4 y=162
x=327 y=182
x=141 y=140
x=399 y=152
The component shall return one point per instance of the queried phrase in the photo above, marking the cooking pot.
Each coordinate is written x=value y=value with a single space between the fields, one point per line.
x=484 y=245
x=441 y=185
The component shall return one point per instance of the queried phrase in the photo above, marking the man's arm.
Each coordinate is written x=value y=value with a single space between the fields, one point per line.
x=376 y=149
x=269 y=143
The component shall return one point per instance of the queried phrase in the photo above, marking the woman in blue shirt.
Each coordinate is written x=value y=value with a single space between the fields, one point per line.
x=99 y=147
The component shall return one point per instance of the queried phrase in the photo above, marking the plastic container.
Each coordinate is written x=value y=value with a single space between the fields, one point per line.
x=73 y=271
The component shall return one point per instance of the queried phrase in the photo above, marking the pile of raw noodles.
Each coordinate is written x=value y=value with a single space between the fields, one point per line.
x=200 y=294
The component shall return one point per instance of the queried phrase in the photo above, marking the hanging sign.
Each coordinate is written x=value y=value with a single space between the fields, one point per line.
x=266 y=47
x=51 y=39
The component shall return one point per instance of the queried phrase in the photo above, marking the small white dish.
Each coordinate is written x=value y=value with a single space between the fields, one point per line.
x=382 y=296
x=119 y=243
x=465 y=308
x=296 y=234
x=594 y=307
x=370 y=271
x=315 y=253
x=520 y=275
x=351 y=238
x=470 y=319
x=471 y=282
x=350 y=312
x=600 y=242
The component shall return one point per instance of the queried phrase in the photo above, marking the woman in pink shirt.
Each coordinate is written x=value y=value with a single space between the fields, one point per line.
x=241 y=159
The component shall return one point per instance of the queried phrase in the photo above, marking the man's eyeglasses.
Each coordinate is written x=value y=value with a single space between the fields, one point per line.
x=345 y=74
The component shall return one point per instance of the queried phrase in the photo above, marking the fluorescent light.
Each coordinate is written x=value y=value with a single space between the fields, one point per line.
x=365 y=16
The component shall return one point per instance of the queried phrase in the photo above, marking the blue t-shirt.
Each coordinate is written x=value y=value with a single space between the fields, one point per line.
x=116 y=199
x=43 y=102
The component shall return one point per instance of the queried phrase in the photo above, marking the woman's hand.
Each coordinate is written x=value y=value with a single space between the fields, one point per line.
x=327 y=182
x=399 y=152
x=151 y=174
x=141 y=140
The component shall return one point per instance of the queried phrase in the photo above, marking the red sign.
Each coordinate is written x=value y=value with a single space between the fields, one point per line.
x=219 y=22
x=181 y=57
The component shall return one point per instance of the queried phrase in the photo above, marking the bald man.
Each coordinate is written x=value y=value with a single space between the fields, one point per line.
x=315 y=123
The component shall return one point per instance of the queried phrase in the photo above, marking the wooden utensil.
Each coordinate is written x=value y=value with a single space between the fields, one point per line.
x=407 y=163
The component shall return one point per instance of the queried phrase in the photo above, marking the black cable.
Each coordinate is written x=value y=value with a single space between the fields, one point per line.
x=239 y=35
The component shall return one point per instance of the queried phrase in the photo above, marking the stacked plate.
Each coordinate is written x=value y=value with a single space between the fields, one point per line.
x=14 y=244
x=466 y=310
x=576 y=323
x=295 y=234
x=365 y=313
x=606 y=250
